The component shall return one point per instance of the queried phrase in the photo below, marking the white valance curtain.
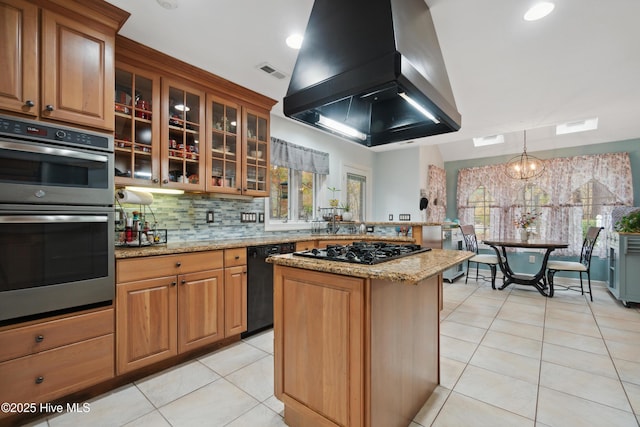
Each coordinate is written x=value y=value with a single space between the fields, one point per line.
x=561 y=216
x=436 y=194
x=287 y=154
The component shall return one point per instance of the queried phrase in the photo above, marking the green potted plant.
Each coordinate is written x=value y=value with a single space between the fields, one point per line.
x=629 y=223
x=347 y=215
x=333 y=202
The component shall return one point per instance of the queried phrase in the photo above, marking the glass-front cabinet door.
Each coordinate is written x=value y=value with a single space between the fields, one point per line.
x=137 y=133
x=256 y=160
x=224 y=157
x=182 y=146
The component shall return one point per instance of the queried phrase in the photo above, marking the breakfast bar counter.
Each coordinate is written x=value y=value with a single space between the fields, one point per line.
x=357 y=345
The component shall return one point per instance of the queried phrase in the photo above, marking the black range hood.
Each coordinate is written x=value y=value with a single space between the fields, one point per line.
x=358 y=57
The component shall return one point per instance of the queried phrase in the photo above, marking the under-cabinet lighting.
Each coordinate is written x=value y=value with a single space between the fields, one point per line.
x=156 y=190
x=488 y=140
x=341 y=128
x=539 y=11
x=577 y=126
x=419 y=107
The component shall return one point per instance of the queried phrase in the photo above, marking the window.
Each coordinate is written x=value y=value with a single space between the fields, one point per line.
x=292 y=194
x=297 y=174
x=356 y=195
x=594 y=198
x=532 y=198
x=480 y=201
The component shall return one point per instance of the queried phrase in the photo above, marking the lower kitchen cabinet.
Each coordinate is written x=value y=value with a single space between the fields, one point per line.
x=43 y=360
x=235 y=291
x=197 y=301
x=624 y=267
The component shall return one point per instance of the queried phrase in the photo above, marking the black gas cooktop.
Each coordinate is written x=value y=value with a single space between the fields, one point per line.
x=363 y=252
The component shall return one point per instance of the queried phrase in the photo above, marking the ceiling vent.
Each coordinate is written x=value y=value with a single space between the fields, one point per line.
x=272 y=71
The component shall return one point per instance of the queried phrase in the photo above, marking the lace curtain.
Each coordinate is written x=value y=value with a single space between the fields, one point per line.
x=436 y=194
x=561 y=213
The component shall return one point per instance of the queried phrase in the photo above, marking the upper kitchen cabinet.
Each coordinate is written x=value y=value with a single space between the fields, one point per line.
x=224 y=156
x=60 y=65
x=19 y=56
x=213 y=134
x=181 y=136
x=137 y=126
x=238 y=155
x=256 y=159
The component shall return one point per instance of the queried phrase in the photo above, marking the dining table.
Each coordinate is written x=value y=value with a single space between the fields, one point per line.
x=537 y=280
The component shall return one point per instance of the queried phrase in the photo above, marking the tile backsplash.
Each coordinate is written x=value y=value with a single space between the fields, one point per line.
x=185 y=217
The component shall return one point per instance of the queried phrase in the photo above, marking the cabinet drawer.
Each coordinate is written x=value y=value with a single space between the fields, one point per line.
x=31 y=339
x=54 y=373
x=128 y=270
x=235 y=257
x=305 y=245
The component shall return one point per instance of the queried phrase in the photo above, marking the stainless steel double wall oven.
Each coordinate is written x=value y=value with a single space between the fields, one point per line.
x=56 y=219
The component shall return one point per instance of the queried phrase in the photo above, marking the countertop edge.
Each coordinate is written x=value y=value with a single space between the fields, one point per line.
x=212 y=245
x=408 y=270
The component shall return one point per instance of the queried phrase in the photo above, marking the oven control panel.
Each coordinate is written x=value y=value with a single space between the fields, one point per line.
x=37 y=131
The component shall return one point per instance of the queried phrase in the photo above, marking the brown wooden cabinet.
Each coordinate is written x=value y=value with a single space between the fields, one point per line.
x=201 y=308
x=214 y=135
x=19 y=57
x=44 y=360
x=181 y=136
x=166 y=305
x=60 y=67
x=137 y=126
x=235 y=291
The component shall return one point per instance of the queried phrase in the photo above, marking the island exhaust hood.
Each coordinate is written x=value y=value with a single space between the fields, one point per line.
x=372 y=71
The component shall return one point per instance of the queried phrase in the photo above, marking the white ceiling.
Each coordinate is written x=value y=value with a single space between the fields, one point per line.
x=507 y=74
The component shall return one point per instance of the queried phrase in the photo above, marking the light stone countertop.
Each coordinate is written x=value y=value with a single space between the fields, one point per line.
x=211 y=245
x=410 y=269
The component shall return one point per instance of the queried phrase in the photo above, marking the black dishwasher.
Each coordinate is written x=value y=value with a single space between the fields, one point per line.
x=260 y=286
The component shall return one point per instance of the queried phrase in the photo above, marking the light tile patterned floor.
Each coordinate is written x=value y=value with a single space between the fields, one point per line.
x=508 y=358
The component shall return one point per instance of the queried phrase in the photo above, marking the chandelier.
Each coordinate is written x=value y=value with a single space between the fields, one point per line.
x=524 y=166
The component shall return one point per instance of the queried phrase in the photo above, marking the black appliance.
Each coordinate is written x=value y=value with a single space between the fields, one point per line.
x=360 y=61
x=56 y=219
x=364 y=252
x=260 y=286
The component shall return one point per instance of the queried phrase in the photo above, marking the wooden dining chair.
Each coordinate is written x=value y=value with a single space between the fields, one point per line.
x=581 y=266
x=471 y=242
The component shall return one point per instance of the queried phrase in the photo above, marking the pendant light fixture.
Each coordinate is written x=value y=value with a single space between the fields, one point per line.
x=524 y=166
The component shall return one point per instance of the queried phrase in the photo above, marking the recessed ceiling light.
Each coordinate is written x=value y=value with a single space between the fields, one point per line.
x=181 y=107
x=539 y=11
x=294 y=41
x=577 y=126
x=488 y=140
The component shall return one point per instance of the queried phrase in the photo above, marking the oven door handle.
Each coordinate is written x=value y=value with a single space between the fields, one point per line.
x=43 y=219
x=63 y=152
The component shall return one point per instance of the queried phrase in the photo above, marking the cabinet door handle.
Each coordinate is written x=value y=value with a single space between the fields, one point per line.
x=183 y=282
x=178 y=264
x=156 y=180
x=165 y=181
x=49 y=107
x=29 y=103
x=237 y=256
x=40 y=338
x=174 y=283
x=39 y=380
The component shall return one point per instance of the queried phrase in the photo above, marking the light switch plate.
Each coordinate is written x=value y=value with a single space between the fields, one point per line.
x=209 y=217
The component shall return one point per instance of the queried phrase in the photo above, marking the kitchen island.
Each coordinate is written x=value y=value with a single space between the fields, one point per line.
x=357 y=345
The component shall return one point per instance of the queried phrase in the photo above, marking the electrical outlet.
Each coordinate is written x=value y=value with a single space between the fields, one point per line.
x=532 y=259
x=209 y=217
